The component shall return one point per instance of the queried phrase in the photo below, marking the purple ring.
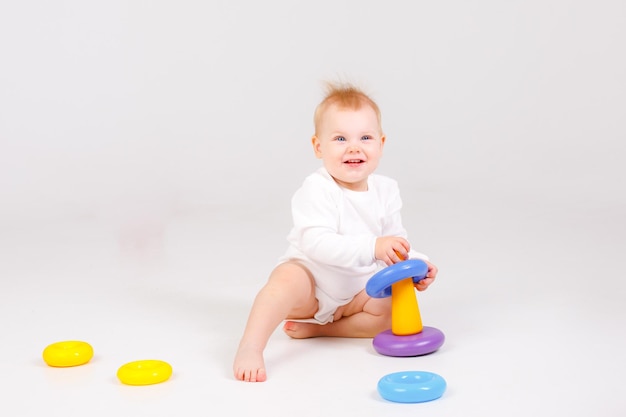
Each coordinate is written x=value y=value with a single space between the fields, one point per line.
x=427 y=341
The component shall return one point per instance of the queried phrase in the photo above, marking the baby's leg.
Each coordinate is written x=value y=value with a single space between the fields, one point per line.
x=290 y=291
x=362 y=317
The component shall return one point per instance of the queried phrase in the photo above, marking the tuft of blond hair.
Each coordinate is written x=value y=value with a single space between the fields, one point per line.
x=344 y=96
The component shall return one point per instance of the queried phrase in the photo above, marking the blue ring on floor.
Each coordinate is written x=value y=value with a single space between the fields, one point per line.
x=411 y=386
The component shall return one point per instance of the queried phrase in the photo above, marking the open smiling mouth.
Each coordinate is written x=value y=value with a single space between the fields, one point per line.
x=354 y=161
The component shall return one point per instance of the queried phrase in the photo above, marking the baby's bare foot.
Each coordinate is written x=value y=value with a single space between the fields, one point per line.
x=301 y=330
x=249 y=365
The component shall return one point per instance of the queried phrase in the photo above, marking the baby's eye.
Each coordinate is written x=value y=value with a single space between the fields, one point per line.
x=340 y=139
x=366 y=137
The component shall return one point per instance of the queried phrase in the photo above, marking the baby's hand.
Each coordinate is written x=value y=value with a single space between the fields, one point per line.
x=430 y=277
x=392 y=249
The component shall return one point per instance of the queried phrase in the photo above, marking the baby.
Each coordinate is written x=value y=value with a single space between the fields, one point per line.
x=346 y=227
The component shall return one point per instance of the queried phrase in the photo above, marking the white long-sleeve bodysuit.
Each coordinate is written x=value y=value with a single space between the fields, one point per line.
x=334 y=235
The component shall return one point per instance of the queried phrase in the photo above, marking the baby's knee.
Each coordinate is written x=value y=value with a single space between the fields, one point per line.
x=291 y=275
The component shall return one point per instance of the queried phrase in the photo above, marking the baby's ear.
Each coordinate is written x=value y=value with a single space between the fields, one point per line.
x=316 y=146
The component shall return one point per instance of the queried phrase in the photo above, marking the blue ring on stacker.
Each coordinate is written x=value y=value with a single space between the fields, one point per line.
x=411 y=386
x=379 y=285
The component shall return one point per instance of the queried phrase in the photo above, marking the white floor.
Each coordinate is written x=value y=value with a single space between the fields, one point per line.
x=530 y=297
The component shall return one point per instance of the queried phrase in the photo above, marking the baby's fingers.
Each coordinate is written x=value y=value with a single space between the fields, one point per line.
x=400 y=255
x=423 y=284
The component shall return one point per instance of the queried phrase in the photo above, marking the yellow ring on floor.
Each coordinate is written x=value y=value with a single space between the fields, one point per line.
x=67 y=353
x=144 y=372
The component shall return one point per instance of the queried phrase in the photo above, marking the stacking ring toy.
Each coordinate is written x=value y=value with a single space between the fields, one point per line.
x=144 y=372
x=67 y=353
x=407 y=336
x=411 y=387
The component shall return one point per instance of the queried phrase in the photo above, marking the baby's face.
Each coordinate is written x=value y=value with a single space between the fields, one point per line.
x=350 y=143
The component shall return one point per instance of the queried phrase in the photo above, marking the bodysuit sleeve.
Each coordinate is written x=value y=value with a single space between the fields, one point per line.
x=315 y=210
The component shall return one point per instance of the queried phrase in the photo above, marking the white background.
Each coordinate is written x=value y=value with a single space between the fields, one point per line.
x=156 y=144
x=204 y=103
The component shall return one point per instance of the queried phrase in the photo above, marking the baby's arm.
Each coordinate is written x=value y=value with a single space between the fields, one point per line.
x=316 y=216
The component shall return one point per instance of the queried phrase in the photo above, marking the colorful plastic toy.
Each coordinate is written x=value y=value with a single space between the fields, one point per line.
x=407 y=336
x=144 y=372
x=411 y=386
x=67 y=353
